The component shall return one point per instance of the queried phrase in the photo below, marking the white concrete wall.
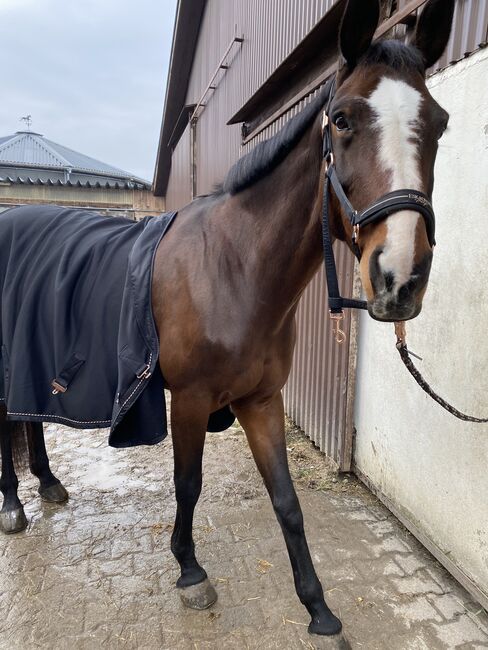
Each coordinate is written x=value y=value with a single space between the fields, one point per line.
x=433 y=467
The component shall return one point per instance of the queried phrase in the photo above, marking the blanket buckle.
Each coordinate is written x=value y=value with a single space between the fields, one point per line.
x=145 y=373
x=57 y=387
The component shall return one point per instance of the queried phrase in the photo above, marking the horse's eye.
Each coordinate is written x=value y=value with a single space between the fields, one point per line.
x=341 y=123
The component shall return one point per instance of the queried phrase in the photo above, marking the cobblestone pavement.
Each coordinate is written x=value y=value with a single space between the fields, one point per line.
x=98 y=572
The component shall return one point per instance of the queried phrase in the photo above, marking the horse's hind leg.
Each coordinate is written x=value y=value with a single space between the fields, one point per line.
x=12 y=516
x=188 y=426
x=50 y=488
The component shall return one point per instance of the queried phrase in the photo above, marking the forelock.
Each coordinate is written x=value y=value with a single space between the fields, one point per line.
x=396 y=55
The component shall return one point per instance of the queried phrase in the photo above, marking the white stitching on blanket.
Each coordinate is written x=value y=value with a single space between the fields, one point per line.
x=142 y=380
x=60 y=417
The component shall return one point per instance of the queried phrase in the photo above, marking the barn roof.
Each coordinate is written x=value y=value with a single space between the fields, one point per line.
x=29 y=157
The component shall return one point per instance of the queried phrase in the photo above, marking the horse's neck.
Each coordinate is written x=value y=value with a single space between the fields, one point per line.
x=281 y=230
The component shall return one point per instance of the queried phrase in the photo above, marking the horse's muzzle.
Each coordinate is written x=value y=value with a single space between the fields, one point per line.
x=390 y=311
x=391 y=303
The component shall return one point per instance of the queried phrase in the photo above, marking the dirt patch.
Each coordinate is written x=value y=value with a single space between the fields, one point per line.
x=311 y=469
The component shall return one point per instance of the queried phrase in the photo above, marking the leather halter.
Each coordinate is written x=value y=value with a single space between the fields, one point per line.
x=382 y=208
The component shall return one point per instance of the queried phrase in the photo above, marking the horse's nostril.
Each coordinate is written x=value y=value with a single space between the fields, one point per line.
x=404 y=293
x=375 y=273
x=389 y=281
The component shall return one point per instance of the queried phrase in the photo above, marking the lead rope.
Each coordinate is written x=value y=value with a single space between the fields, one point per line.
x=401 y=345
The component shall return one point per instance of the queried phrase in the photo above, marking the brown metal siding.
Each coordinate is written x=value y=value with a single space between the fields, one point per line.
x=317 y=390
x=178 y=193
x=470 y=30
x=271 y=30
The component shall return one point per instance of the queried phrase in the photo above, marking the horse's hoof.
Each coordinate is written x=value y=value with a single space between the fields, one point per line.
x=336 y=642
x=200 y=596
x=13 y=521
x=329 y=626
x=54 y=493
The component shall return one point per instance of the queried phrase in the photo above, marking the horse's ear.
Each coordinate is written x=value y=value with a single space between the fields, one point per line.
x=358 y=26
x=434 y=29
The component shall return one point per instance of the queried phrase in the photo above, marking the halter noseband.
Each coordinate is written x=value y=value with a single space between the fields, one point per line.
x=379 y=210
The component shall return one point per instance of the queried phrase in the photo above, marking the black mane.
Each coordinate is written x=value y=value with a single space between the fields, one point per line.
x=395 y=55
x=267 y=155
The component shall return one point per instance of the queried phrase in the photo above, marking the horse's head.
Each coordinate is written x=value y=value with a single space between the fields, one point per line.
x=385 y=131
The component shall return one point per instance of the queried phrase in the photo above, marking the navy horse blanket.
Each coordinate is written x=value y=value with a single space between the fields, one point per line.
x=79 y=344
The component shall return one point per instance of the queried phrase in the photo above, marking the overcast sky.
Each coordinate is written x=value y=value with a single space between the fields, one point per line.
x=92 y=74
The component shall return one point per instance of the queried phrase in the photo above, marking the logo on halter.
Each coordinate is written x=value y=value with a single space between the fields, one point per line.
x=420 y=199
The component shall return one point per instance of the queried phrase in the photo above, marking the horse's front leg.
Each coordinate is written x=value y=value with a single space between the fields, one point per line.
x=50 y=488
x=263 y=422
x=189 y=418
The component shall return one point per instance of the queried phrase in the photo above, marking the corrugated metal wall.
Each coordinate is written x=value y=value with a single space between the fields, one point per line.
x=179 y=186
x=318 y=394
x=470 y=30
x=271 y=30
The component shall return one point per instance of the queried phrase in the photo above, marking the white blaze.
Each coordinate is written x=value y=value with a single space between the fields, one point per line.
x=397 y=109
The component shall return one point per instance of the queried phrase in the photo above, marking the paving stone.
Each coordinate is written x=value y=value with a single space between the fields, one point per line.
x=416 y=610
x=449 y=606
x=98 y=572
x=391 y=545
x=393 y=568
x=417 y=584
x=411 y=563
x=385 y=527
x=462 y=631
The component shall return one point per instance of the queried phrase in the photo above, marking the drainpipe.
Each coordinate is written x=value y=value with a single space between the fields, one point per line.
x=193 y=157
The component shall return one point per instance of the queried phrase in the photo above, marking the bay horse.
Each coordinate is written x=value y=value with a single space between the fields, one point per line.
x=229 y=274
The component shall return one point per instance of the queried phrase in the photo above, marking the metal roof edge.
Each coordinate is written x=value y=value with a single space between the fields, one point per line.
x=188 y=19
x=111 y=185
x=77 y=170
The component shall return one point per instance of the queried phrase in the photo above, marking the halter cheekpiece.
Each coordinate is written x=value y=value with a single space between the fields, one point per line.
x=382 y=208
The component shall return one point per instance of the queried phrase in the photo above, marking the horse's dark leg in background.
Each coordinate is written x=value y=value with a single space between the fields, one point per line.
x=50 y=488
x=263 y=422
x=188 y=427
x=12 y=516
